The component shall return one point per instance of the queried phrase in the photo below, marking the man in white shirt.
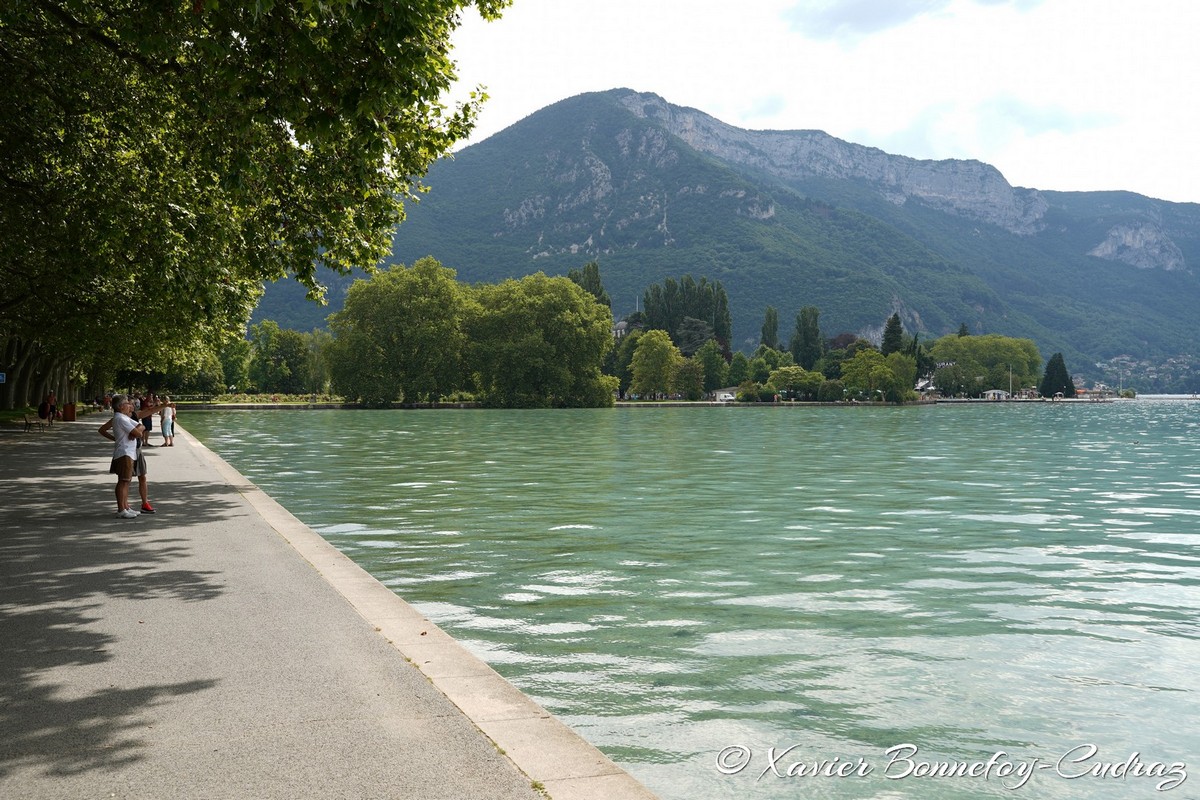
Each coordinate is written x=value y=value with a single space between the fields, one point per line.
x=125 y=431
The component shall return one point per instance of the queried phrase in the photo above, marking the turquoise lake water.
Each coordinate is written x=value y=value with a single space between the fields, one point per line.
x=717 y=597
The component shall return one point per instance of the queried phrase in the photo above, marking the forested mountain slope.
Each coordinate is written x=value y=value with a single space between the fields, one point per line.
x=793 y=218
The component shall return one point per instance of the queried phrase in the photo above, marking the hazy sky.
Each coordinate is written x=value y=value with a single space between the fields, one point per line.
x=1057 y=94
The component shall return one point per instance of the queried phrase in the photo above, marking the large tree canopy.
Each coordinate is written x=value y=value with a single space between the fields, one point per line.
x=973 y=364
x=540 y=342
x=400 y=335
x=203 y=148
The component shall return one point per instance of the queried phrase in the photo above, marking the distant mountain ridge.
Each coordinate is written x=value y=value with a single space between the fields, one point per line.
x=969 y=188
x=793 y=218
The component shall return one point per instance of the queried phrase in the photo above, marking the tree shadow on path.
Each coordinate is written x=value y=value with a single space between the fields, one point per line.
x=68 y=570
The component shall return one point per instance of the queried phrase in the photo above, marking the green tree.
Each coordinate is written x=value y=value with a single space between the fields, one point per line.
x=739 y=369
x=689 y=379
x=400 y=335
x=760 y=369
x=893 y=336
x=716 y=371
x=831 y=391
x=773 y=358
x=904 y=367
x=1056 y=378
x=210 y=146
x=589 y=279
x=317 y=364
x=623 y=361
x=208 y=378
x=540 y=342
x=963 y=330
x=692 y=334
x=984 y=362
x=920 y=355
x=958 y=378
x=830 y=363
x=655 y=362
x=796 y=382
x=235 y=363
x=867 y=374
x=806 y=343
x=770 y=328
x=279 y=359
x=669 y=303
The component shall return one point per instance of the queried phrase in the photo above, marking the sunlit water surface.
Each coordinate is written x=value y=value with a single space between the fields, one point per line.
x=689 y=588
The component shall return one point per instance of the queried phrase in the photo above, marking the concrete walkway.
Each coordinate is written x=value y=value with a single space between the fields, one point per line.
x=221 y=649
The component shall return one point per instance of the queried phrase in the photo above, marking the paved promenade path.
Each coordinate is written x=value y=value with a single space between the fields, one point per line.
x=221 y=649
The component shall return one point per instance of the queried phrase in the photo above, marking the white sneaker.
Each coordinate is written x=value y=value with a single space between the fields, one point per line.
x=127 y=513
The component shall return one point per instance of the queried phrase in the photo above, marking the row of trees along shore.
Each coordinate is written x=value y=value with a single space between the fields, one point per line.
x=418 y=335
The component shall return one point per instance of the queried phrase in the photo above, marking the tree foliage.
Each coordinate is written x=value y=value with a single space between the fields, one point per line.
x=796 y=383
x=971 y=365
x=831 y=391
x=692 y=334
x=806 y=345
x=868 y=376
x=622 y=361
x=716 y=371
x=235 y=363
x=540 y=341
x=893 y=335
x=668 y=304
x=1056 y=378
x=589 y=279
x=204 y=148
x=280 y=359
x=689 y=379
x=400 y=335
x=739 y=369
x=655 y=362
x=770 y=328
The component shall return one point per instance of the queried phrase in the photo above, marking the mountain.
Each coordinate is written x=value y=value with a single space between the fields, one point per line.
x=650 y=190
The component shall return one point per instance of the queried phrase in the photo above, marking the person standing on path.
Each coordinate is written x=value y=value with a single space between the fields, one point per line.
x=145 y=415
x=167 y=422
x=125 y=432
x=151 y=403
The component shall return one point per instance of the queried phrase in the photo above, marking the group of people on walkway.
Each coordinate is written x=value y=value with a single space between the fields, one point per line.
x=129 y=430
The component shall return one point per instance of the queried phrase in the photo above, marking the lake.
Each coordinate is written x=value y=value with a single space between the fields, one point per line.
x=921 y=602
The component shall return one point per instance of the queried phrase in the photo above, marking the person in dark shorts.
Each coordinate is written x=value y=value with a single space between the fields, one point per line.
x=124 y=430
x=147 y=419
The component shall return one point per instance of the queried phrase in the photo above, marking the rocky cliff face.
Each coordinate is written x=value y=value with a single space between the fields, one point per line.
x=969 y=189
x=1143 y=245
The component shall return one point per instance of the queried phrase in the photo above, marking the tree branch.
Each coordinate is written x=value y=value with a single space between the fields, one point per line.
x=101 y=38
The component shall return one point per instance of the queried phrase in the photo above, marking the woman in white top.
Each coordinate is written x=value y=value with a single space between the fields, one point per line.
x=167 y=422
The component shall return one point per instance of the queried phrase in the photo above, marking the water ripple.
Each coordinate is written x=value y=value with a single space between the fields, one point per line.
x=971 y=579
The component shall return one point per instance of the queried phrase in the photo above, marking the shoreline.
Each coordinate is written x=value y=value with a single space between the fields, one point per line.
x=538 y=743
x=662 y=404
x=224 y=625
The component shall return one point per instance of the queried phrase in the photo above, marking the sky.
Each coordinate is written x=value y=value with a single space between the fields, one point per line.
x=1069 y=95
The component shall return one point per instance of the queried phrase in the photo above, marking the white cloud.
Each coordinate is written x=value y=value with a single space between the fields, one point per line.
x=1057 y=94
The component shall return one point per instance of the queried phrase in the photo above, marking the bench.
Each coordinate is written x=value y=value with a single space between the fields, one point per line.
x=35 y=420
